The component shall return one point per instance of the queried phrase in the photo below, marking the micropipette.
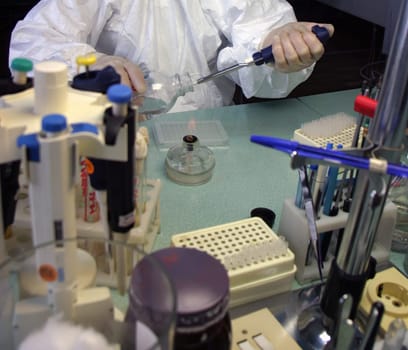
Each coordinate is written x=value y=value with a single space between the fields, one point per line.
x=119 y=177
x=261 y=57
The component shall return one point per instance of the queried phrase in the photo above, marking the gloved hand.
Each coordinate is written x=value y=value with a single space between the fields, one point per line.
x=295 y=46
x=130 y=73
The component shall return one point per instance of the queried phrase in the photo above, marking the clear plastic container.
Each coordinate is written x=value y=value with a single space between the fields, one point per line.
x=190 y=163
x=32 y=295
x=400 y=234
x=398 y=193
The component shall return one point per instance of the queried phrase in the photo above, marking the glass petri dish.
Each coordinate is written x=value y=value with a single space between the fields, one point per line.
x=72 y=284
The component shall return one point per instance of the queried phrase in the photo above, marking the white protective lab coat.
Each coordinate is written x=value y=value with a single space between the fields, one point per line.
x=170 y=36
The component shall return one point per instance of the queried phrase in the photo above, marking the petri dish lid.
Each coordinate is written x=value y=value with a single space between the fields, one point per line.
x=190 y=163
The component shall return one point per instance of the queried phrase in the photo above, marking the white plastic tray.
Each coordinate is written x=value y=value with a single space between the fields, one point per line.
x=258 y=262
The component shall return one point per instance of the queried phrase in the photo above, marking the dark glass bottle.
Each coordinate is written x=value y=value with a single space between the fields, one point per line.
x=201 y=286
x=208 y=337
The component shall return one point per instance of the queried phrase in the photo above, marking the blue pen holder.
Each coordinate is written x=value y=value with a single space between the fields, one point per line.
x=293 y=225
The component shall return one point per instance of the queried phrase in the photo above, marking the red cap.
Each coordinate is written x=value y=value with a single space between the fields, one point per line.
x=365 y=105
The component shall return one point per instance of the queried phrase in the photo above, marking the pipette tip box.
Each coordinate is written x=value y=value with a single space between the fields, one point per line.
x=259 y=262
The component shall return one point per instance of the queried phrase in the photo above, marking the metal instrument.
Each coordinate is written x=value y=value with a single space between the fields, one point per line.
x=261 y=57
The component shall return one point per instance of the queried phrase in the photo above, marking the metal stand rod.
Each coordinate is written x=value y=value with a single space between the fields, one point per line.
x=386 y=132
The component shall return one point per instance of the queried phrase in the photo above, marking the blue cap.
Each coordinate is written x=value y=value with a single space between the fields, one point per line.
x=33 y=146
x=84 y=127
x=119 y=93
x=53 y=123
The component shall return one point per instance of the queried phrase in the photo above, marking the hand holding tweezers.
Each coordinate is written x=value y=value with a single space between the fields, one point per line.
x=261 y=57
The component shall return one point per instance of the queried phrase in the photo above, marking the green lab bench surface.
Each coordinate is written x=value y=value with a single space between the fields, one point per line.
x=246 y=175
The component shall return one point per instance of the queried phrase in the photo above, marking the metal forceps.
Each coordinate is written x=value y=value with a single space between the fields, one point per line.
x=261 y=57
x=311 y=217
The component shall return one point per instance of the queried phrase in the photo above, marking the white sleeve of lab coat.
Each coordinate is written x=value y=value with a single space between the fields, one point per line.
x=61 y=30
x=244 y=23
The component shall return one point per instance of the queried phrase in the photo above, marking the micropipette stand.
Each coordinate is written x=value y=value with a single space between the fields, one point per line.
x=52 y=178
x=50 y=163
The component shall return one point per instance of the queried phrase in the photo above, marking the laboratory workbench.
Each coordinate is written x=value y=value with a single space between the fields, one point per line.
x=246 y=175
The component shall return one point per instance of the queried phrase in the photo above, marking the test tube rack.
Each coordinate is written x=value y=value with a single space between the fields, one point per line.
x=141 y=236
x=258 y=261
x=294 y=227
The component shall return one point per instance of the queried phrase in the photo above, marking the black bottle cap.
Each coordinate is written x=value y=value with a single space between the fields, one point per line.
x=265 y=214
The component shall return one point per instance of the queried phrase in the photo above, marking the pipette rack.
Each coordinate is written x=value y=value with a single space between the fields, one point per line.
x=93 y=305
x=81 y=105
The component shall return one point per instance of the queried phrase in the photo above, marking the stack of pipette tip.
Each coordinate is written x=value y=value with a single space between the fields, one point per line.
x=258 y=261
x=335 y=129
x=256 y=253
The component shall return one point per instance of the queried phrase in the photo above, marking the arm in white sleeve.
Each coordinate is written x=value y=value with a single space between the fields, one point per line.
x=245 y=23
x=61 y=30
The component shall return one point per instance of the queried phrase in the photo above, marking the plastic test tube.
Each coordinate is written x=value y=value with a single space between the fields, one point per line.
x=20 y=67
